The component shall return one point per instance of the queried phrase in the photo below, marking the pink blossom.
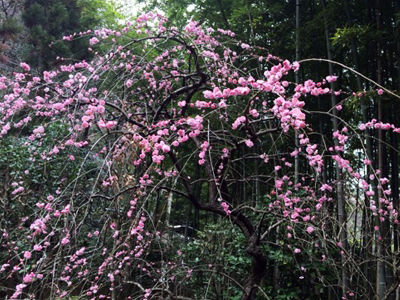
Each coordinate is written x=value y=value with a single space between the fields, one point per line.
x=310 y=229
x=295 y=66
x=331 y=78
x=55 y=150
x=254 y=113
x=129 y=83
x=367 y=162
x=326 y=187
x=39 y=130
x=225 y=206
x=27 y=254
x=18 y=291
x=28 y=278
x=25 y=66
x=40 y=204
x=240 y=120
x=66 y=209
x=249 y=143
x=37 y=248
x=208 y=95
x=38 y=226
x=93 y=41
x=165 y=148
x=65 y=241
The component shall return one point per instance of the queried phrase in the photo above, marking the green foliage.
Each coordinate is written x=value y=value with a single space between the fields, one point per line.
x=218 y=255
x=9 y=27
x=343 y=36
x=217 y=250
x=99 y=13
x=47 y=21
x=269 y=28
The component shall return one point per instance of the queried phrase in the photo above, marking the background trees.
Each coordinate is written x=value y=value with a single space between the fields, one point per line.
x=164 y=166
x=9 y=28
x=364 y=36
x=32 y=31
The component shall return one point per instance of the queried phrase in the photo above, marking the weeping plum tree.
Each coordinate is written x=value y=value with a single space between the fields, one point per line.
x=189 y=117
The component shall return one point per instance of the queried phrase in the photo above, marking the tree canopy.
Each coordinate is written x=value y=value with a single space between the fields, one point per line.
x=167 y=158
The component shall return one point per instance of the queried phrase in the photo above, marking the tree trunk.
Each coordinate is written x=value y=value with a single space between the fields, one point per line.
x=258 y=269
x=367 y=240
x=296 y=158
x=344 y=284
